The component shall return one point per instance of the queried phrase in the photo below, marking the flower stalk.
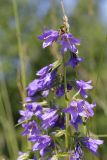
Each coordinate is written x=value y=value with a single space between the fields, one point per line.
x=66 y=101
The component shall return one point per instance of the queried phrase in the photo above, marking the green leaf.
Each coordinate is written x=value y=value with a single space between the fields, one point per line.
x=62 y=155
x=57 y=64
x=60 y=133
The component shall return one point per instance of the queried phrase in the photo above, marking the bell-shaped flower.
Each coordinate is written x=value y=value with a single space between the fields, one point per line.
x=91 y=144
x=83 y=86
x=68 y=43
x=49 y=36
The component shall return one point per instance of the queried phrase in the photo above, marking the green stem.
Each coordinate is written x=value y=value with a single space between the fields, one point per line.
x=20 y=48
x=84 y=127
x=66 y=101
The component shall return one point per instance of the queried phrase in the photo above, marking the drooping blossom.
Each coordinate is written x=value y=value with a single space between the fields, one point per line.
x=31 y=99
x=60 y=90
x=49 y=36
x=26 y=115
x=42 y=72
x=49 y=118
x=46 y=78
x=91 y=144
x=41 y=84
x=77 y=153
x=30 y=110
x=60 y=121
x=35 y=108
x=41 y=143
x=77 y=122
x=30 y=128
x=68 y=43
x=74 y=60
x=83 y=86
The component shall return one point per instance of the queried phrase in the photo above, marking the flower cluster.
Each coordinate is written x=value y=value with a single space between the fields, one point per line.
x=46 y=123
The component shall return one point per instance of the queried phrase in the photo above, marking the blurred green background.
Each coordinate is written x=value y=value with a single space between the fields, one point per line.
x=21 y=55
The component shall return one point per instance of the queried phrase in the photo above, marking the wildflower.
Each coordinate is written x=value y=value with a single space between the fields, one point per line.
x=87 y=109
x=30 y=110
x=35 y=108
x=31 y=99
x=49 y=36
x=79 y=108
x=82 y=86
x=41 y=84
x=77 y=122
x=34 y=87
x=42 y=72
x=68 y=42
x=49 y=118
x=92 y=144
x=26 y=115
x=77 y=153
x=48 y=79
x=74 y=108
x=60 y=121
x=61 y=91
x=41 y=143
x=31 y=128
x=74 y=60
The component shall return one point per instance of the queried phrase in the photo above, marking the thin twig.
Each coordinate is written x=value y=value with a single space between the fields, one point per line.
x=65 y=18
x=63 y=9
x=20 y=48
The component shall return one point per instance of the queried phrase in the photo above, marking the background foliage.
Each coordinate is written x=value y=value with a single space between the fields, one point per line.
x=21 y=55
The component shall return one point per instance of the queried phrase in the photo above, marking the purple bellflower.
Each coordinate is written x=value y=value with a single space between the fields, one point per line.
x=30 y=128
x=26 y=115
x=35 y=108
x=60 y=122
x=82 y=86
x=31 y=99
x=60 y=90
x=92 y=144
x=45 y=78
x=42 y=72
x=77 y=122
x=49 y=118
x=49 y=37
x=79 y=108
x=87 y=109
x=77 y=153
x=41 y=84
x=74 y=60
x=41 y=143
x=30 y=110
x=34 y=87
x=68 y=42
